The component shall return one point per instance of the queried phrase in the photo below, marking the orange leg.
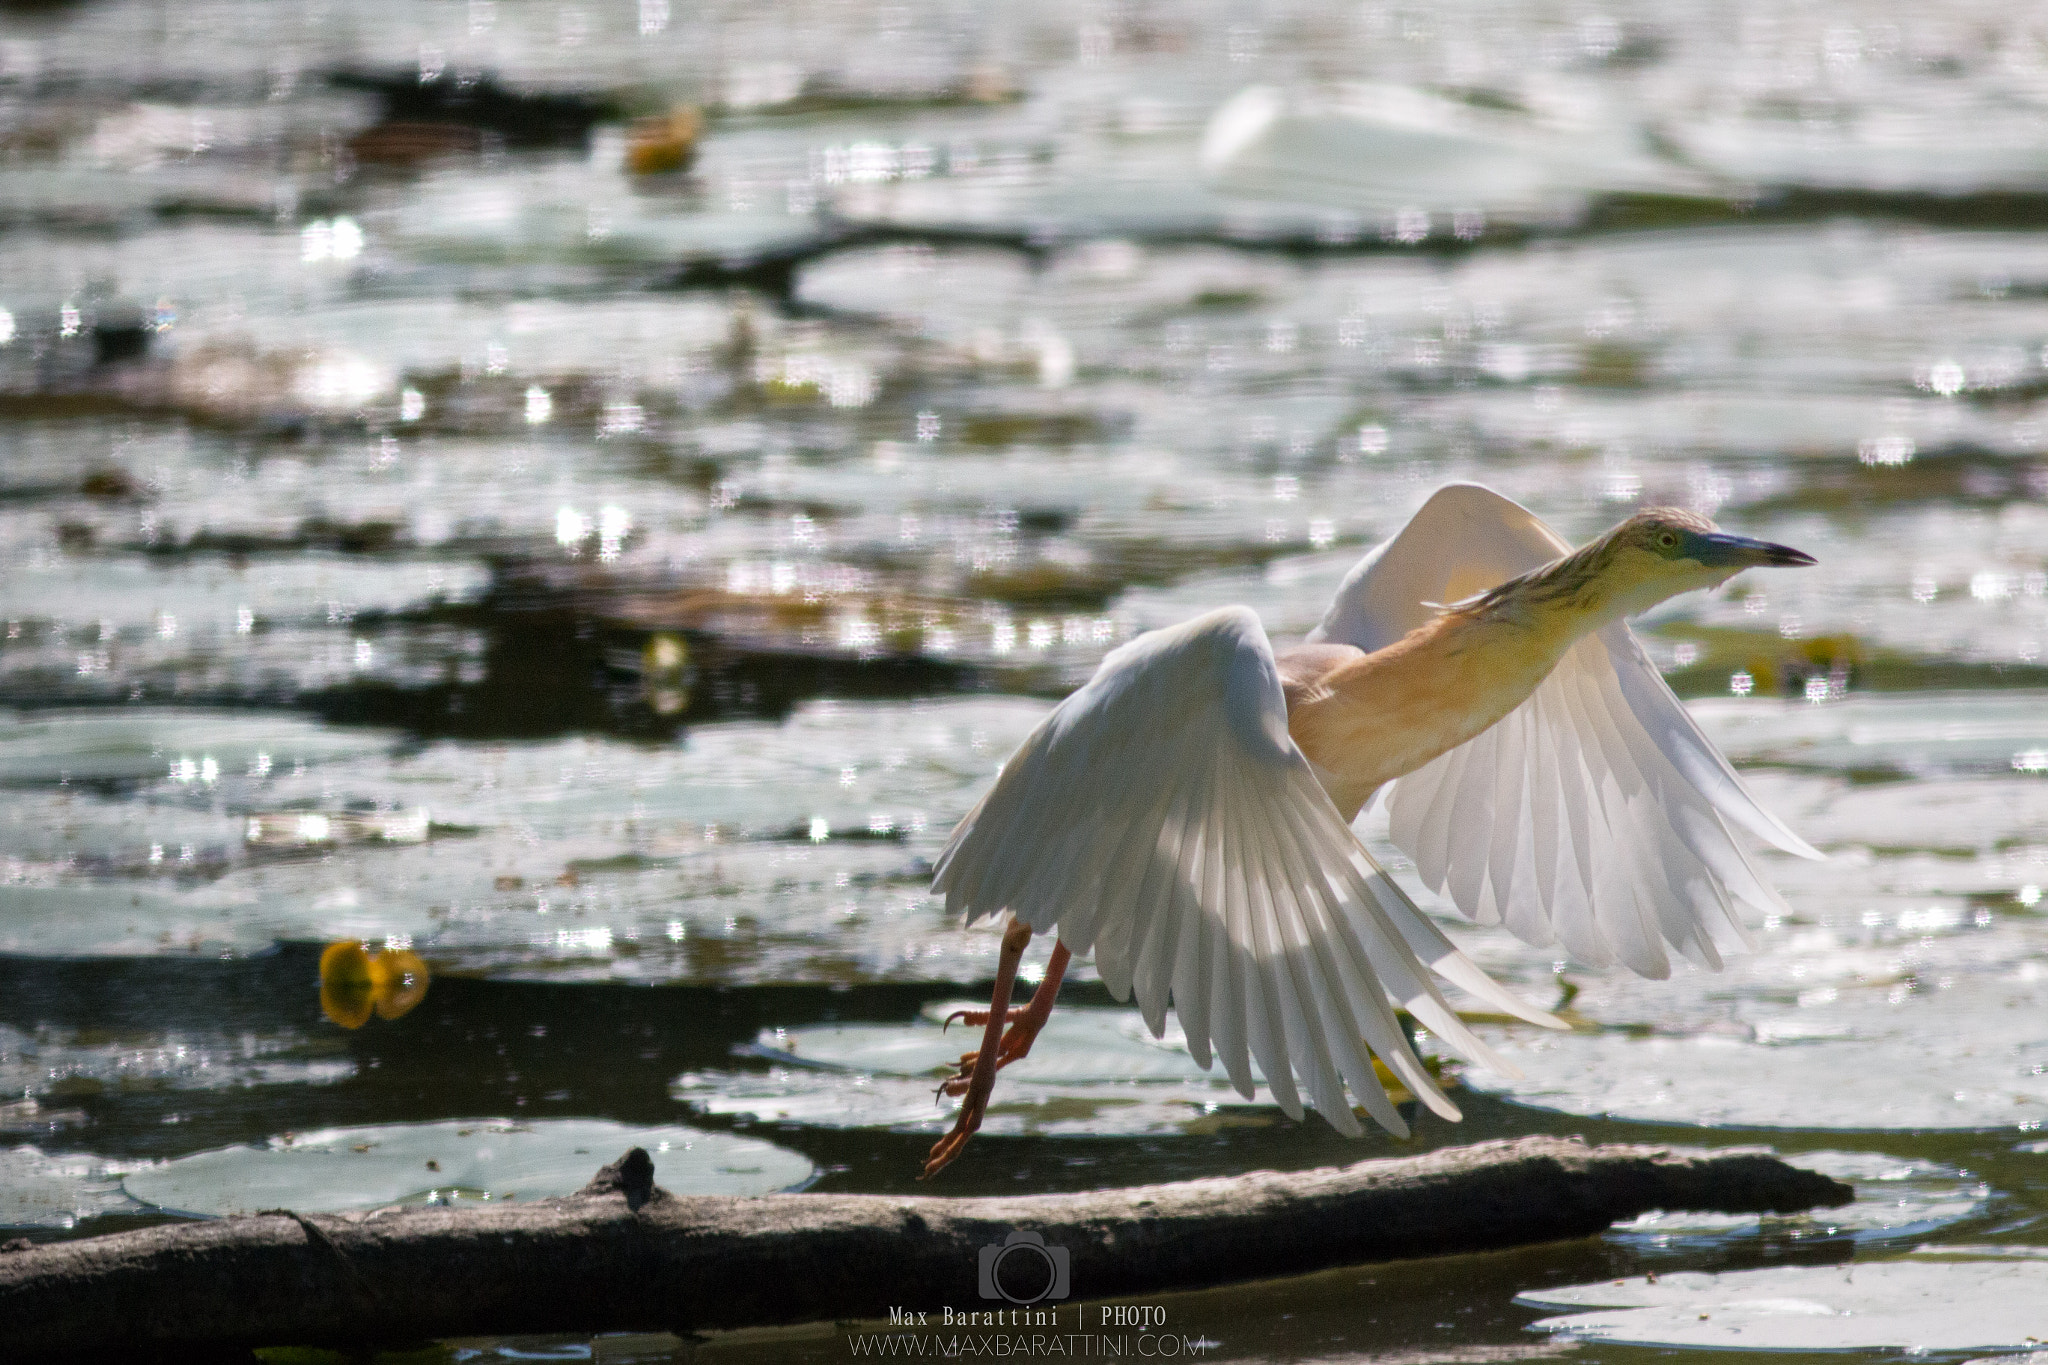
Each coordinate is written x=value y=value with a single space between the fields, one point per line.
x=1024 y=1024
x=982 y=1079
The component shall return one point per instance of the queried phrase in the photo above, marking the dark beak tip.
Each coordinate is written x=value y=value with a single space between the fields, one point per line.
x=1744 y=552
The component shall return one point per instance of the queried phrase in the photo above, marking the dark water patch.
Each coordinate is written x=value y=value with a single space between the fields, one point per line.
x=769 y=505
x=553 y=670
x=1897 y=475
x=1121 y=564
x=43 y=406
x=476 y=99
x=1983 y=209
x=1707 y=661
x=546 y=648
x=392 y=146
x=109 y=484
x=1614 y=365
x=1053 y=586
x=471 y=1047
x=120 y=332
x=1649 y=212
x=1228 y=299
x=1997 y=391
x=1037 y=428
x=314 y=533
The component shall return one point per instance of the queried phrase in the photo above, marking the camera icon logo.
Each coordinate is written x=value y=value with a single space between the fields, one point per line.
x=1024 y=1270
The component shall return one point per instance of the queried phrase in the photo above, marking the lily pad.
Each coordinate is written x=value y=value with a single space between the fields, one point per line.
x=1928 y=1018
x=39 y=1190
x=1914 y=1305
x=1722 y=1081
x=1902 y=987
x=139 y=745
x=132 y=597
x=363 y=1168
x=1943 y=152
x=790 y=851
x=1924 y=733
x=1387 y=147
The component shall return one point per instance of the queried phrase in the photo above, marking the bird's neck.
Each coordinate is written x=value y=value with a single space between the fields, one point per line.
x=1367 y=719
x=1570 y=595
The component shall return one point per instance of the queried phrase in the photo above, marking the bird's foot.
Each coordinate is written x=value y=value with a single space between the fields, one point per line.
x=979 y=1018
x=977 y=1074
x=1015 y=1047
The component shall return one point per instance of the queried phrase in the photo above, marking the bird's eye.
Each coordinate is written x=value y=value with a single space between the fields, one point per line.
x=1667 y=541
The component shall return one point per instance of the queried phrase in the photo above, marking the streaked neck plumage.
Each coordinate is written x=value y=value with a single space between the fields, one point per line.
x=1365 y=719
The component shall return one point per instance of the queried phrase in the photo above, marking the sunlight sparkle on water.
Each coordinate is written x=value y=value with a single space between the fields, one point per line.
x=696 y=546
x=572 y=528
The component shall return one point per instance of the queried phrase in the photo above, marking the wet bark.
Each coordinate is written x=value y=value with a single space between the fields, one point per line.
x=624 y=1255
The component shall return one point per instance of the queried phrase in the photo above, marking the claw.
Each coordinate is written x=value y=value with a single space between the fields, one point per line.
x=949 y=1146
x=978 y=1019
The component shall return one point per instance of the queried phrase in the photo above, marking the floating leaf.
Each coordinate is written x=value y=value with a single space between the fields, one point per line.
x=1945 y=1029
x=56 y=1191
x=362 y=1168
x=1913 y=1305
x=1381 y=148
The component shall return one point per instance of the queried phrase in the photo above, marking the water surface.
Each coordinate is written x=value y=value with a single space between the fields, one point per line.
x=612 y=587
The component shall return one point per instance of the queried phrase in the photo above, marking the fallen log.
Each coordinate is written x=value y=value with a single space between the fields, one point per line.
x=624 y=1255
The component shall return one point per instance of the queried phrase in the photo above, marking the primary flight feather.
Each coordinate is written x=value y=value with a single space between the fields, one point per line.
x=1185 y=815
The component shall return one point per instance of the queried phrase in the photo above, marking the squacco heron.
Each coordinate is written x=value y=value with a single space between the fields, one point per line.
x=1186 y=815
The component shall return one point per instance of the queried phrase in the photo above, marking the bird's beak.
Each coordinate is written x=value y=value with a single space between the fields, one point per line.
x=1724 y=551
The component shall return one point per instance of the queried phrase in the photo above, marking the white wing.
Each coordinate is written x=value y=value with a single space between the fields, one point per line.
x=1596 y=814
x=1162 y=818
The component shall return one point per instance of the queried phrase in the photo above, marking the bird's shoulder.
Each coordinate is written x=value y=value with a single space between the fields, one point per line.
x=1305 y=670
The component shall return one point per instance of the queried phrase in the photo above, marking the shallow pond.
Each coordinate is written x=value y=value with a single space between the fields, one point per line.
x=425 y=521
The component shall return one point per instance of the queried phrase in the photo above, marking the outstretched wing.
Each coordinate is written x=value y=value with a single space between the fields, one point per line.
x=1596 y=814
x=1162 y=818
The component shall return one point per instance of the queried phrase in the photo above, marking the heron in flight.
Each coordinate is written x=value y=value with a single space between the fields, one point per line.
x=1186 y=815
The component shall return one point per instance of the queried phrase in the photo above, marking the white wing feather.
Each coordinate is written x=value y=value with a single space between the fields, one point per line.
x=1162 y=818
x=1595 y=815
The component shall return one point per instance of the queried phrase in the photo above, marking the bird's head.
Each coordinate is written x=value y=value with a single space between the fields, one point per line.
x=1664 y=551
